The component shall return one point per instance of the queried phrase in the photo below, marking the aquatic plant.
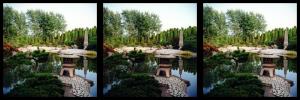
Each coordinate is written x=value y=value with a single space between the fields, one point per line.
x=185 y=54
x=91 y=54
x=291 y=54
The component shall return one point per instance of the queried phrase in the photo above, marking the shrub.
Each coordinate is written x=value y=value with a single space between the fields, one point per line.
x=115 y=60
x=216 y=60
x=136 y=56
x=239 y=85
x=17 y=60
x=39 y=85
x=209 y=49
x=40 y=55
x=240 y=55
x=137 y=85
x=8 y=50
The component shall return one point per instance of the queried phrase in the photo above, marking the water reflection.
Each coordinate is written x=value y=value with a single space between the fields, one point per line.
x=285 y=67
x=180 y=64
x=85 y=64
x=181 y=67
x=86 y=67
x=285 y=64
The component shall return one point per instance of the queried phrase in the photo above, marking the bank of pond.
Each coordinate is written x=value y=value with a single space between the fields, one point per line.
x=37 y=74
x=237 y=74
x=135 y=75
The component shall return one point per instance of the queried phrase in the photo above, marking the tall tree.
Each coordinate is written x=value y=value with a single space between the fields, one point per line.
x=45 y=24
x=111 y=23
x=245 y=24
x=14 y=23
x=141 y=25
x=213 y=22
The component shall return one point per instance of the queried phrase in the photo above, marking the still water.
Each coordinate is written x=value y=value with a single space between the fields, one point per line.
x=286 y=68
x=86 y=67
x=187 y=70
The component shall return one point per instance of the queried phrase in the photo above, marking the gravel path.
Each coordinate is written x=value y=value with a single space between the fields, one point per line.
x=177 y=87
x=280 y=87
x=80 y=87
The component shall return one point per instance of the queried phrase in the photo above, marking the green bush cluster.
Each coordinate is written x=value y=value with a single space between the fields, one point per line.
x=220 y=58
x=240 y=55
x=40 y=55
x=21 y=59
x=39 y=85
x=137 y=85
x=137 y=56
x=115 y=60
x=239 y=85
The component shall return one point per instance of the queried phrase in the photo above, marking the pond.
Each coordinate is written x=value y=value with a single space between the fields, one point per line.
x=188 y=72
x=285 y=68
x=53 y=65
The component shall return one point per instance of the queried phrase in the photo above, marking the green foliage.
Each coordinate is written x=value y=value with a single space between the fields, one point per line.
x=245 y=24
x=17 y=60
x=137 y=56
x=220 y=58
x=76 y=36
x=14 y=23
x=141 y=24
x=47 y=28
x=239 y=85
x=213 y=22
x=136 y=85
x=115 y=60
x=40 y=55
x=39 y=85
x=111 y=23
x=240 y=55
x=247 y=29
x=45 y=24
x=142 y=29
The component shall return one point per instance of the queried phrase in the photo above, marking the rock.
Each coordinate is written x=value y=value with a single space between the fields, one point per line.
x=280 y=87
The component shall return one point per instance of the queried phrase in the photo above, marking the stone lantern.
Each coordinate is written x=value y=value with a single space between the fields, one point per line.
x=68 y=64
x=268 y=64
x=165 y=64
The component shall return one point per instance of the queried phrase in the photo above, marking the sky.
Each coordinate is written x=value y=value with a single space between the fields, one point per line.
x=277 y=15
x=172 y=15
x=77 y=15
